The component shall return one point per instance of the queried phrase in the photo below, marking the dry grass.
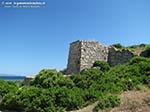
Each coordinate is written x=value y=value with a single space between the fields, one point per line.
x=134 y=101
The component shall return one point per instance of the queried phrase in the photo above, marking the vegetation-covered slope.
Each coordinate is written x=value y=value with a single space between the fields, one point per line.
x=50 y=91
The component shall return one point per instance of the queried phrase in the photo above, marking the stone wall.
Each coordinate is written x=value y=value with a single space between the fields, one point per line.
x=145 y=53
x=74 y=58
x=92 y=51
x=83 y=54
x=116 y=56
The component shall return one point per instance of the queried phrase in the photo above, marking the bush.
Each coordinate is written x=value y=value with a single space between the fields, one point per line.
x=137 y=59
x=49 y=78
x=118 y=45
x=109 y=101
x=86 y=78
x=103 y=66
x=91 y=72
x=7 y=87
x=9 y=102
x=69 y=99
x=142 y=45
x=31 y=99
x=91 y=95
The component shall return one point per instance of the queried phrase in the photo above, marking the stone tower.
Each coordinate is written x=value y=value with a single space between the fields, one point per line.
x=83 y=54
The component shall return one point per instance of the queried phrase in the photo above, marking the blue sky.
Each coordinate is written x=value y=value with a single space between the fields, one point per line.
x=35 y=38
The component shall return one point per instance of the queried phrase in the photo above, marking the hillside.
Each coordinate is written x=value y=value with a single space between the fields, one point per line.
x=51 y=91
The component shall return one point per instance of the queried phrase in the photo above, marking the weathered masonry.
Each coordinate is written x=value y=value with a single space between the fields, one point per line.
x=82 y=55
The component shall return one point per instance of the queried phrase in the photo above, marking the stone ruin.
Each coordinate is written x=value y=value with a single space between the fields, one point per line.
x=82 y=55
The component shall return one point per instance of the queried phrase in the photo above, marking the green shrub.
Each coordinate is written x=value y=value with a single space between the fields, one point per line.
x=91 y=71
x=109 y=101
x=49 y=78
x=142 y=45
x=31 y=99
x=81 y=81
x=7 y=87
x=118 y=45
x=86 y=78
x=69 y=99
x=91 y=95
x=137 y=60
x=103 y=66
x=9 y=102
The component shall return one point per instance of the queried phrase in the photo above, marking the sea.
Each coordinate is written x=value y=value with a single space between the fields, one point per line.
x=12 y=78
